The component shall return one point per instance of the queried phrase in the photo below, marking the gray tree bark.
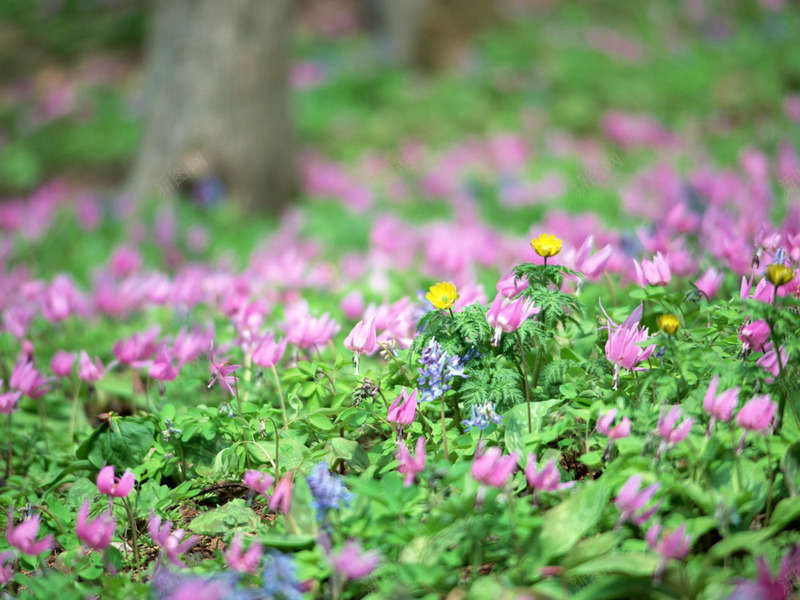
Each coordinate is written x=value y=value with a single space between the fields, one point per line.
x=218 y=100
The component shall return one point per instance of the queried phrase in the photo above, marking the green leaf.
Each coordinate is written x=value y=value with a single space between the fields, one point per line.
x=288 y=541
x=348 y=451
x=567 y=523
x=790 y=465
x=516 y=422
x=633 y=564
x=228 y=518
x=125 y=446
x=320 y=421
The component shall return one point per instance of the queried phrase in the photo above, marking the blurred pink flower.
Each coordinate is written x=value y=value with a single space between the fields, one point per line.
x=23 y=536
x=258 y=481
x=117 y=487
x=222 y=373
x=353 y=562
x=653 y=272
x=96 y=534
x=709 y=282
x=404 y=408
x=90 y=371
x=754 y=335
x=282 y=496
x=243 y=562
x=411 y=465
x=719 y=406
x=507 y=315
x=268 y=352
x=631 y=500
x=136 y=350
x=674 y=544
x=171 y=542
x=670 y=432
x=491 y=468
x=62 y=362
x=546 y=480
x=162 y=368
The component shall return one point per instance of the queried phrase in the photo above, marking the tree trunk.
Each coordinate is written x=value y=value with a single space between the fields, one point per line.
x=218 y=101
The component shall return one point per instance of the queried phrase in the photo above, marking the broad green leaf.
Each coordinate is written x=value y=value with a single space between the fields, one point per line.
x=515 y=422
x=573 y=518
x=231 y=517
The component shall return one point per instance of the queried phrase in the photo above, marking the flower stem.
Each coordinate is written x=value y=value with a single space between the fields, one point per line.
x=280 y=394
x=9 y=468
x=134 y=535
x=444 y=433
x=525 y=378
x=768 y=511
x=74 y=409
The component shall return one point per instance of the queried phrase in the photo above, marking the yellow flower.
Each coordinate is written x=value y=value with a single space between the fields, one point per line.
x=546 y=245
x=669 y=324
x=442 y=295
x=779 y=274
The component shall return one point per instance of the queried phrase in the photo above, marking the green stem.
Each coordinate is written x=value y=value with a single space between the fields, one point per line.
x=280 y=393
x=525 y=378
x=736 y=456
x=277 y=447
x=444 y=433
x=768 y=511
x=74 y=409
x=134 y=535
x=43 y=417
x=777 y=349
x=9 y=468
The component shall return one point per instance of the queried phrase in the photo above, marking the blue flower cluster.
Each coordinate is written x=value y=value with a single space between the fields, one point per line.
x=437 y=371
x=280 y=577
x=482 y=416
x=327 y=489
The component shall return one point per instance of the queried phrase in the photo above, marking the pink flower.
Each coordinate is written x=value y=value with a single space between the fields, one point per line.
x=352 y=305
x=622 y=347
x=90 y=371
x=674 y=544
x=110 y=485
x=591 y=266
x=125 y=261
x=361 y=340
x=7 y=560
x=96 y=534
x=222 y=372
x=171 y=542
x=26 y=379
x=243 y=562
x=268 y=352
x=546 y=480
x=282 y=497
x=188 y=346
x=654 y=272
x=306 y=331
x=258 y=481
x=754 y=335
x=769 y=361
x=757 y=414
x=491 y=467
x=709 y=282
x=62 y=363
x=23 y=536
x=719 y=406
x=630 y=500
x=353 y=562
x=508 y=287
x=9 y=401
x=621 y=430
x=137 y=349
x=671 y=433
x=162 y=368
x=411 y=465
x=403 y=409
x=507 y=315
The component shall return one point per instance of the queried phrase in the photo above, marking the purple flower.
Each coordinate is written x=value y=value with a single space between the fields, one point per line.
x=620 y=430
x=7 y=560
x=767 y=587
x=411 y=465
x=507 y=315
x=162 y=368
x=353 y=562
x=243 y=562
x=674 y=544
x=437 y=371
x=268 y=352
x=26 y=379
x=482 y=416
x=258 y=481
x=96 y=534
x=546 y=480
x=23 y=536
x=623 y=346
x=491 y=467
x=136 y=351
x=654 y=272
x=754 y=335
x=671 y=433
x=62 y=363
x=756 y=415
x=630 y=500
x=327 y=490
x=222 y=373
x=117 y=487
x=719 y=406
x=9 y=401
x=282 y=497
x=90 y=371
x=171 y=542
x=709 y=282
x=403 y=409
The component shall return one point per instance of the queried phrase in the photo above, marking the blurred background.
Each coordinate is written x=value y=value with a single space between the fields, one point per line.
x=422 y=108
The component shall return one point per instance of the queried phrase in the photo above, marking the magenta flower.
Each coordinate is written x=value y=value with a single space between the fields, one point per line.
x=353 y=562
x=162 y=368
x=621 y=430
x=403 y=409
x=546 y=480
x=90 y=371
x=670 y=432
x=305 y=331
x=171 y=542
x=654 y=272
x=187 y=347
x=754 y=335
x=767 y=587
x=491 y=467
x=282 y=497
x=507 y=315
x=62 y=363
x=258 y=481
x=709 y=282
x=243 y=562
x=674 y=544
x=719 y=406
x=756 y=415
x=23 y=536
x=591 y=266
x=630 y=500
x=7 y=560
x=411 y=465
x=361 y=340
x=96 y=534
x=222 y=372
x=508 y=286
x=9 y=401
x=136 y=350
x=26 y=379
x=268 y=352
x=769 y=361
x=622 y=347
x=117 y=487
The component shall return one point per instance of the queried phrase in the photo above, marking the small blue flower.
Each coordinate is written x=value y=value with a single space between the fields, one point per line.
x=279 y=579
x=328 y=490
x=482 y=416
